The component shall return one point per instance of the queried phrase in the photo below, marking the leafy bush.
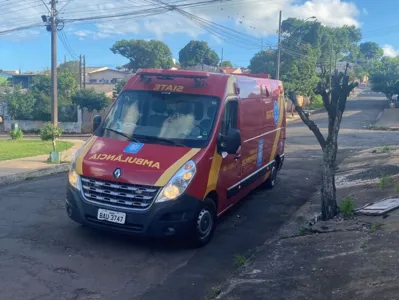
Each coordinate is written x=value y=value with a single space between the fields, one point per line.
x=317 y=102
x=16 y=134
x=346 y=207
x=50 y=133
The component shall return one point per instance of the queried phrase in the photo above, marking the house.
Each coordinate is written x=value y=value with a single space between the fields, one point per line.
x=203 y=67
x=105 y=75
x=8 y=74
x=25 y=80
x=231 y=70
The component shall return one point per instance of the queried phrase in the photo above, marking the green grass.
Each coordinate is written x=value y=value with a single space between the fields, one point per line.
x=376 y=226
x=240 y=260
x=385 y=182
x=13 y=149
x=346 y=207
x=387 y=149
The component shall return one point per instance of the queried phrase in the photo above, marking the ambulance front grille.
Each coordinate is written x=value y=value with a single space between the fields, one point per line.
x=118 y=194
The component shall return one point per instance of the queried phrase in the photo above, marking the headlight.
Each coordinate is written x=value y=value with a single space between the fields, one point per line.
x=178 y=183
x=73 y=177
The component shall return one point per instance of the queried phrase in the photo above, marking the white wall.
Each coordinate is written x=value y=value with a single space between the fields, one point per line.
x=29 y=126
x=107 y=76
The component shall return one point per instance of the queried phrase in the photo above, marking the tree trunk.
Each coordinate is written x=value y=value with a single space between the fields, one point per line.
x=54 y=145
x=329 y=208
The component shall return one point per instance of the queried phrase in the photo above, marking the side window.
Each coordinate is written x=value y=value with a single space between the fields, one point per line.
x=230 y=117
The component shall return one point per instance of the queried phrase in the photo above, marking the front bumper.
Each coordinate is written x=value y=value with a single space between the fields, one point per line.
x=170 y=218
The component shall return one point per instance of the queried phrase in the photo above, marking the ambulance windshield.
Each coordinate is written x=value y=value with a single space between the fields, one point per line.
x=162 y=118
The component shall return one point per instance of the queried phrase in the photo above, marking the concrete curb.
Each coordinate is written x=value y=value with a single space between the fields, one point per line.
x=14 y=178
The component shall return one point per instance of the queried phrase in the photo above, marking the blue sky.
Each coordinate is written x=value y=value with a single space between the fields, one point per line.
x=29 y=50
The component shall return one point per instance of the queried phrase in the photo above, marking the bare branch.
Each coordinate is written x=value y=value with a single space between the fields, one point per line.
x=312 y=125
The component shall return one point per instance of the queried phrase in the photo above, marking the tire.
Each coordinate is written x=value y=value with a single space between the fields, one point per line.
x=271 y=181
x=205 y=224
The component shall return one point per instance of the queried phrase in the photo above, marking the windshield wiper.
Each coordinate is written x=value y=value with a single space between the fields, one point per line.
x=160 y=139
x=130 y=138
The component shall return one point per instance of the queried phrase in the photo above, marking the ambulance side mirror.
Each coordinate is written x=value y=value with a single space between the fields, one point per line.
x=96 y=122
x=230 y=143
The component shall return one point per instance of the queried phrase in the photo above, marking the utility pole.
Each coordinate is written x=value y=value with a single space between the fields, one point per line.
x=80 y=71
x=84 y=71
x=54 y=87
x=331 y=54
x=221 y=58
x=64 y=58
x=279 y=47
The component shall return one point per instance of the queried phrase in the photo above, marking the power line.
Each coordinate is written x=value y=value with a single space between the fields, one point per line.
x=44 y=3
x=67 y=45
x=67 y=2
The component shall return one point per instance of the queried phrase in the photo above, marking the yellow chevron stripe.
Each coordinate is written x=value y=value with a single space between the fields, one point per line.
x=167 y=175
x=82 y=153
x=278 y=132
x=214 y=173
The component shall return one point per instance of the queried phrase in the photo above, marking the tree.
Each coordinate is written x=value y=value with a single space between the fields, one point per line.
x=198 y=52
x=72 y=67
x=300 y=74
x=20 y=106
x=118 y=87
x=385 y=77
x=41 y=91
x=226 y=64
x=341 y=89
x=144 y=54
x=91 y=100
x=264 y=62
x=371 y=51
x=3 y=82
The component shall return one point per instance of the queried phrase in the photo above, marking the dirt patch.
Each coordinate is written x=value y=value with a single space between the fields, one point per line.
x=375 y=172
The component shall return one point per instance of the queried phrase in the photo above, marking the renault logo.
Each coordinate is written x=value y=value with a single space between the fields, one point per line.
x=117 y=173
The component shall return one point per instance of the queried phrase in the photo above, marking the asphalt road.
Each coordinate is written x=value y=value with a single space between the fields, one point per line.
x=44 y=255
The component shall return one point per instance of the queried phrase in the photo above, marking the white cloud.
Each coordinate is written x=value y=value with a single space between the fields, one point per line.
x=390 y=51
x=258 y=18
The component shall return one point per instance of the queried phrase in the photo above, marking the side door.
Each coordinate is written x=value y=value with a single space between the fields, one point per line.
x=230 y=169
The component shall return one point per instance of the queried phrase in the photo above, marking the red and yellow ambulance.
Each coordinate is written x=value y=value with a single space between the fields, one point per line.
x=176 y=150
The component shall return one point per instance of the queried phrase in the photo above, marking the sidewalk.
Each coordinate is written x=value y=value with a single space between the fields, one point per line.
x=388 y=120
x=30 y=167
x=352 y=259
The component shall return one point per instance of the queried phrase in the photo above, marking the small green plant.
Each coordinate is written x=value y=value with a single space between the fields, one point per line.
x=385 y=182
x=346 y=207
x=213 y=294
x=50 y=133
x=397 y=187
x=376 y=226
x=240 y=260
x=16 y=134
x=363 y=245
x=386 y=149
x=302 y=230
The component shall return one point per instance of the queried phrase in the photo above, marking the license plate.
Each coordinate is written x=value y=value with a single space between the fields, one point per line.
x=111 y=216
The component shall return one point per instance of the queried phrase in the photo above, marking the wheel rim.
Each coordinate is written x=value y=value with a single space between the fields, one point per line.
x=204 y=223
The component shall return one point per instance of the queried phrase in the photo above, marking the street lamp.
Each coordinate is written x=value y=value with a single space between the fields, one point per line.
x=300 y=25
x=279 y=42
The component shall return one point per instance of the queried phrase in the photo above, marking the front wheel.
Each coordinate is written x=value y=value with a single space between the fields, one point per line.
x=205 y=224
